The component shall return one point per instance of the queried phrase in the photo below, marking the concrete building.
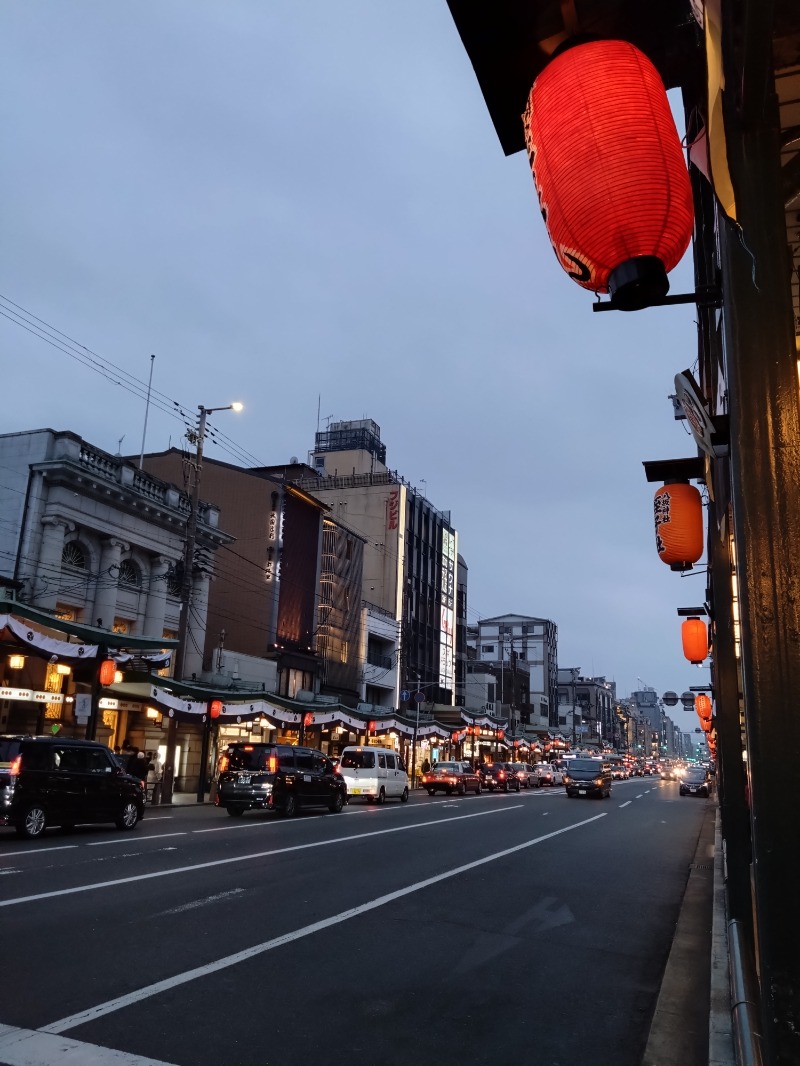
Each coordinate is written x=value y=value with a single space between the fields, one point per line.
x=523 y=652
x=410 y=552
x=586 y=707
x=290 y=590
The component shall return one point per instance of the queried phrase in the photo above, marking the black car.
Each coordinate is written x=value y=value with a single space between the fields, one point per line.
x=695 y=783
x=588 y=777
x=278 y=777
x=50 y=781
x=500 y=776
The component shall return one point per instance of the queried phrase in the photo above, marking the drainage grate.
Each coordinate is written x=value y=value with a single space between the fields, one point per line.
x=700 y=866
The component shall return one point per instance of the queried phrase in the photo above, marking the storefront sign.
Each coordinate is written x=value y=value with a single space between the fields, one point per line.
x=29 y=694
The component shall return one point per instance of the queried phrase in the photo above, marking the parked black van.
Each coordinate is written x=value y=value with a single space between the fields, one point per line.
x=48 y=781
x=278 y=777
x=587 y=777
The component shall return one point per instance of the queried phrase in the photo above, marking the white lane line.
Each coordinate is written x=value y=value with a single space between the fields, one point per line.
x=195 y=903
x=245 y=858
x=138 y=840
x=39 y=851
x=639 y=796
x=26 y=1047
x=159 y=817
x=545 y=814
x=112 y=1005
x=625 y=804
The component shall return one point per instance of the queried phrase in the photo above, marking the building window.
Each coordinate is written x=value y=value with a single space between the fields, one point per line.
x=67 y=614
x=121 y=626
x=345 y=648
x=488 y=648
x=130 y=574
x=74 y=556
x=174 y=580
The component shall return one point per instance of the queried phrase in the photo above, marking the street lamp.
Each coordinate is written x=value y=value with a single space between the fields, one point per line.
x=186 y=588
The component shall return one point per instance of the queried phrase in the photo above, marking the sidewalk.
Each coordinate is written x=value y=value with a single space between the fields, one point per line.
x=692 y=1021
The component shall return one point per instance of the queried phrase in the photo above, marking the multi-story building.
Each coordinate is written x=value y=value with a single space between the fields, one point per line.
x=290 y=589
x=522 y=651
x=586 y=707
x=97 y=542
x=410 y=552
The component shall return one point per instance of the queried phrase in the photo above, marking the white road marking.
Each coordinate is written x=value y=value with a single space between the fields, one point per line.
x=112 y=1005
x=626 y=803
x=545 y=813
x=26 y=1047
x=244 y=858
x=640 y=796
x=39 y=851
x=195 y=903
x=127 y=840
x=159 y=817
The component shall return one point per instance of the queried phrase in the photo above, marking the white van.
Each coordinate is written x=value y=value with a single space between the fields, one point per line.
x=377 y=774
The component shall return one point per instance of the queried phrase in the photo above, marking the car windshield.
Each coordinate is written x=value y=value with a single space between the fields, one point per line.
x=695 y=775
x=358 y=760
x=249 y=757
x=586 y=765
x=448 y=768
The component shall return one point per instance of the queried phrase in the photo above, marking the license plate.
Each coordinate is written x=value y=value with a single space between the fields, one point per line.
x=581 y=791
x=355 y=791
x=244 y=779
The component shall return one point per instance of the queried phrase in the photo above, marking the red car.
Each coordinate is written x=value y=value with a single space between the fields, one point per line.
x=450 y=777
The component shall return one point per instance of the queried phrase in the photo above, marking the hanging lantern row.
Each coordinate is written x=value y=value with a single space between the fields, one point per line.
x=694 y=636
x=678 y=514
x=609 y=170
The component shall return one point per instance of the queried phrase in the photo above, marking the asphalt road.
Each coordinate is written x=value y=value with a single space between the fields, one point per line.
x=496 y=929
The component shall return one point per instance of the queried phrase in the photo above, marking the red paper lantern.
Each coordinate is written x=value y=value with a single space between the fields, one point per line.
x=678 y=514
x=694 y=636
x=107 y=670
x=609 y=170
x=371 y=727
x=215 y=708
x=702 y=705
x=308 y=718
x=705 y=726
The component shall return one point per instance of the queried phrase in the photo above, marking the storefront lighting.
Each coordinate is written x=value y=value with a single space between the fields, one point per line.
x=117 y=677
x=63 y=669
x=152 y=713
x=16 y=662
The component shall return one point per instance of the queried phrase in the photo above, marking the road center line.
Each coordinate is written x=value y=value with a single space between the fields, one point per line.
x=112 y=1005
x=626 y=804
x=245 y=858
x=127 y=840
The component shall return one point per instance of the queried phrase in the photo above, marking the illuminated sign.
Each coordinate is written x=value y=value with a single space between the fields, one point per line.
x=447 y=627
x=30 y=694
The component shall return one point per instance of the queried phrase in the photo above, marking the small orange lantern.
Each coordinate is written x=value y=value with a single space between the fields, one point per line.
x=107 y=670
x=370 y=727
x=705 y=726
x=702 y=705
x=694 y=636
x=678 y=514
x=215 y=708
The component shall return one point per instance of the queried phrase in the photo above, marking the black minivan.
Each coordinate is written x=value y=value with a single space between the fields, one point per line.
x=587 y=777
x=278 y=777
x=50 y=781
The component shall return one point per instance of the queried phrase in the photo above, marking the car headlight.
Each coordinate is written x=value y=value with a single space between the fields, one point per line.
x=598 y=780
x=567 y=779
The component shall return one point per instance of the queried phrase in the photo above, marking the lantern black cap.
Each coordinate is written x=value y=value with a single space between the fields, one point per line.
x=638 y=282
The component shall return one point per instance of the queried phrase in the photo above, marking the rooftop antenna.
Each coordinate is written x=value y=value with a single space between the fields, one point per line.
x=146 y=409
x=119 y=444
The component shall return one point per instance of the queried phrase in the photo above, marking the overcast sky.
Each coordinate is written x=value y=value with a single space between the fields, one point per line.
x=303 y=205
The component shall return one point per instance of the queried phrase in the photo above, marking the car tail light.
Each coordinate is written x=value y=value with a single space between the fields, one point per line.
x=224 y=763
x=272 y=764
x=14 y=768
x=501 y=774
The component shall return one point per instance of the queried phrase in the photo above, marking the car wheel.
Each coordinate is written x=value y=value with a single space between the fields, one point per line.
x=505 y=787
x=128 y=817
x=234 y=810
x=461 y=790
x=33 y=823
x=517 y=789
x=404 y=796
x=431 y=791
x=478 y=789
x=381 y=797
x=336 y=804
x=290 y=805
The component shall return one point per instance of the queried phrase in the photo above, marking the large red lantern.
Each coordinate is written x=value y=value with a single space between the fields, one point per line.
x=694 y=636
x=215 y=708
x=678 y=514
x=609 y=170
x=702 y=704
x=108 y=669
